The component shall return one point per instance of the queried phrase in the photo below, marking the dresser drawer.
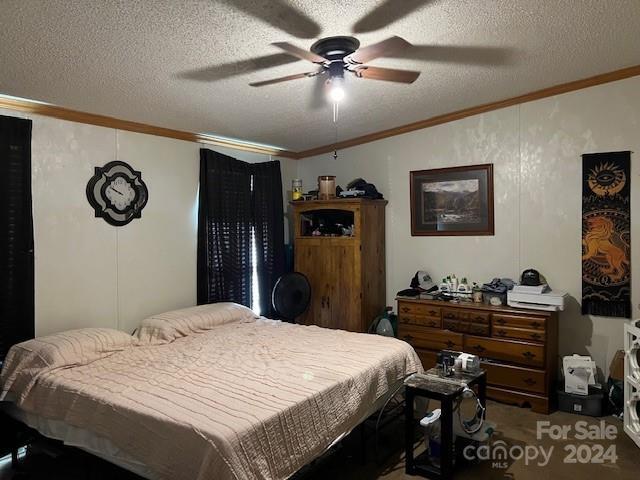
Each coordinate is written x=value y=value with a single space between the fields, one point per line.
x=432 y=322
x=427 y=357
x=519 y=333
x=467 y=315
x=515 y=321
x=510 y=351
x=464 y=326
x=515 y=377
x=418 y=309
x=429 y=338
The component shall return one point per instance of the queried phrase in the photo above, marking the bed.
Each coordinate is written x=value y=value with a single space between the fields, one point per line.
x=202 y=395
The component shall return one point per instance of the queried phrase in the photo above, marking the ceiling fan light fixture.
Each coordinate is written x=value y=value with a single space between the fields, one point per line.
x=336 y=89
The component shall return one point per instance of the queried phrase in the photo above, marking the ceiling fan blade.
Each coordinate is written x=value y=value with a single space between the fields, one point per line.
x=384 y=48
x=283 y=79
x=387 y=74
x=387 y=13
x=299 y=52
x=279 y=14
x=226 y=70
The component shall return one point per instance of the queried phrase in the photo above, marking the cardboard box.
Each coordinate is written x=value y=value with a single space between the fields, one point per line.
x=616 y=369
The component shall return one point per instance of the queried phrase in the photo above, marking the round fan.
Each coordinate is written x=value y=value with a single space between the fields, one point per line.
x=291 y=295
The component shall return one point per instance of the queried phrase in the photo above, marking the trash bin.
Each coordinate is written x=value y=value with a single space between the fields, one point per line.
x=431 y=425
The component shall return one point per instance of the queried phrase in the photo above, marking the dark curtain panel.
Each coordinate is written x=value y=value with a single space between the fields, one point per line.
x=268 y=217
x=224 y=229
x=16 y=234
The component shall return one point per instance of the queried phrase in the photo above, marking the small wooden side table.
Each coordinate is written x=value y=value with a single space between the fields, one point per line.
x=446 y=389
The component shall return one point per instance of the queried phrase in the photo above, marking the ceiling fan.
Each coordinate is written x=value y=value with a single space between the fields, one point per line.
x=336 y=55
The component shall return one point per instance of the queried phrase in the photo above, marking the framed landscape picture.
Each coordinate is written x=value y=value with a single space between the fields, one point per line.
x=452 y=201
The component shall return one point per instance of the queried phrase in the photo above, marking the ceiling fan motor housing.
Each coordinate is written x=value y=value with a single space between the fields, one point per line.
x=335 y=48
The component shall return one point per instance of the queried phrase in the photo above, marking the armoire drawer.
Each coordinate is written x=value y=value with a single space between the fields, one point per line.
x=523 y=353
x=432 y=322
x=515 y=377
x=418 y=309
x=472 y=316
x=519 y=333
x=515 y=321
x=429 y=338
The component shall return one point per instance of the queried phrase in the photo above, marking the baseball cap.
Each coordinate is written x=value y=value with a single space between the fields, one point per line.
x=422 y=280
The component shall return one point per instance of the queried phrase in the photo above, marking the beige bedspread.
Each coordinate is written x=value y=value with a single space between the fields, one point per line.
x=246 y=400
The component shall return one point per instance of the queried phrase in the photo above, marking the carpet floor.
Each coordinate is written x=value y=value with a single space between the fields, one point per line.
x=529 y=455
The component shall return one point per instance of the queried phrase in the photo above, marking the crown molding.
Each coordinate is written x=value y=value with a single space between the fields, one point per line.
x=110 y=122
x=467 y=112
x=62 y=113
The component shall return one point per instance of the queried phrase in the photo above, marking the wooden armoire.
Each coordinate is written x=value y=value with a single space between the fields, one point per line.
x=339 y=246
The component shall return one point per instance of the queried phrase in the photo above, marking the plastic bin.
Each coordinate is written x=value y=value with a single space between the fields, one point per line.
x=592 y=404
x=431 y=425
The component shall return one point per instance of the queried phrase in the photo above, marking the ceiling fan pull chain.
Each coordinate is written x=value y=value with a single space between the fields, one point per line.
x=335 y=118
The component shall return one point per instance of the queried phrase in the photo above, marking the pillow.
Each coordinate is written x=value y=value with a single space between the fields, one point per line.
x=166 y=327
x=29 y=360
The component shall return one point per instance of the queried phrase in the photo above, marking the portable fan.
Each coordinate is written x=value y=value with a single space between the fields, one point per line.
x=291 y=295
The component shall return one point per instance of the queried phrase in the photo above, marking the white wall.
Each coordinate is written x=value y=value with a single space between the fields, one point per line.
x=89 y=273
x=535 y=148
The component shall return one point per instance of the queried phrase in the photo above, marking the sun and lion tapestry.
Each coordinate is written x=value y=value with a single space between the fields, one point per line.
x=606 y=234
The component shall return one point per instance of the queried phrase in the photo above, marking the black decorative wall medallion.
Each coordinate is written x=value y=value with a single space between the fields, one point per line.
x=117 y=193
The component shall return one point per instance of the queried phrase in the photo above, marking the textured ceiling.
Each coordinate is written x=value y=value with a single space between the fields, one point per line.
x=186 y=64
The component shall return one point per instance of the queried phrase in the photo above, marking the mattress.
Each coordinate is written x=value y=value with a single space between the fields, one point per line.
x=247 y=400
x=103 y=448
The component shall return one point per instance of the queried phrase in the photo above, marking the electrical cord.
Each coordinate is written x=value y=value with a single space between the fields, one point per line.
x=474 y=424
x=382 y=410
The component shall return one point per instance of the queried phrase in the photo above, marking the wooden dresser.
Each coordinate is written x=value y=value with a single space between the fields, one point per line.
x=346 y=272
x=518 y=348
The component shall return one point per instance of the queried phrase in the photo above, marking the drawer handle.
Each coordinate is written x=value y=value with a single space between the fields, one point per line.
x=501 y=332
x=480 y=319
x=405 y=309
x=407 y=338
x=432 y=323
x=535 y=324
x=536 y=336
x=479 y=348
x=528 y=355
x=529 y=381
x=450 y=343
x=449 y=315
x=500 y=321
x=433 y=313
